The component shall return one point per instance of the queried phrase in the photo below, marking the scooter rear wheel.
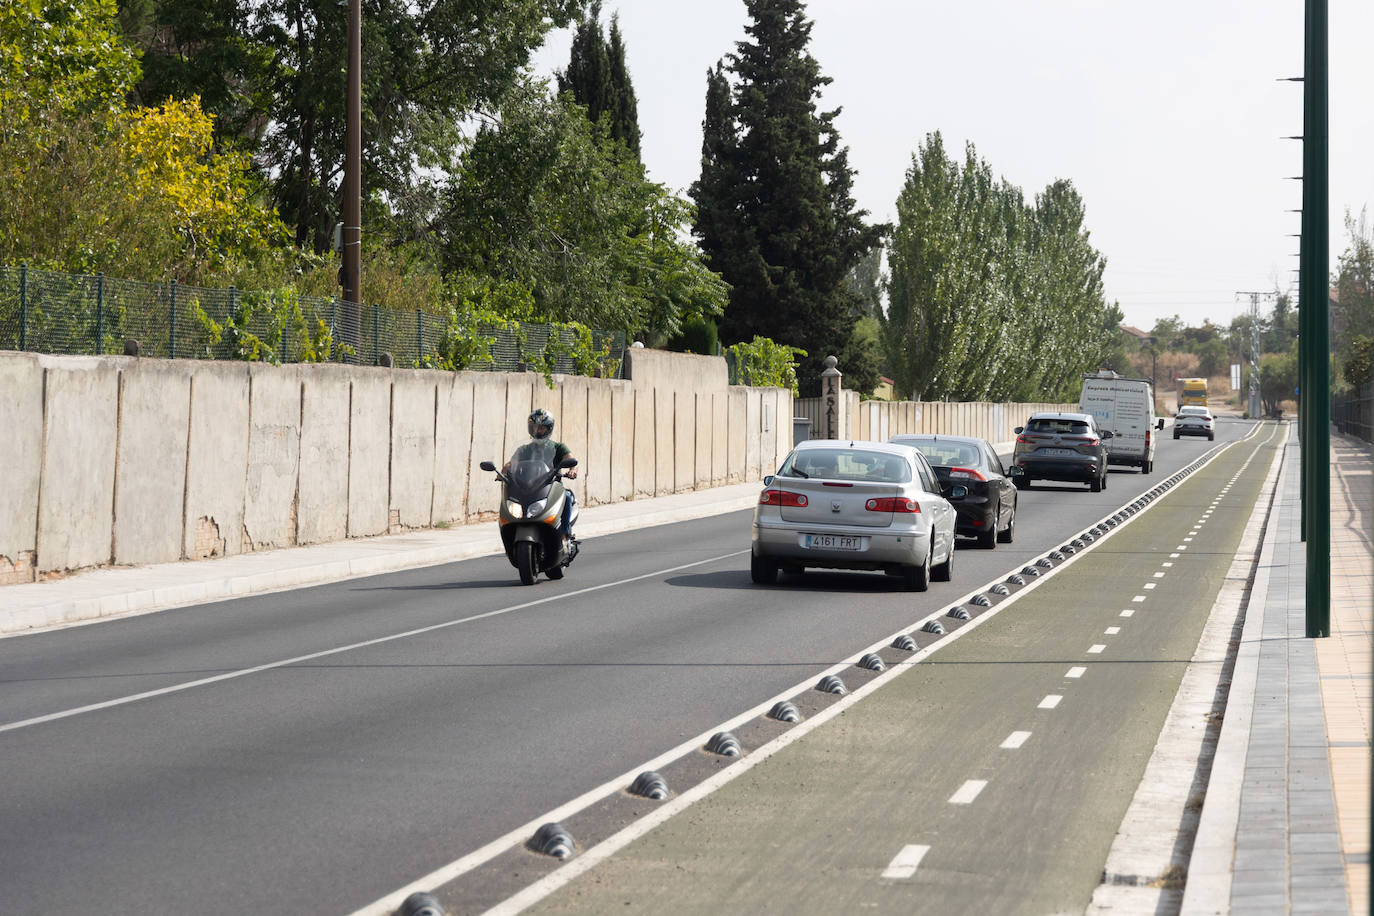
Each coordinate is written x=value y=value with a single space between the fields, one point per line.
x=527 y=562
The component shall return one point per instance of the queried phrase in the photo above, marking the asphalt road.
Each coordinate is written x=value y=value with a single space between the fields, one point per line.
x=314 y=750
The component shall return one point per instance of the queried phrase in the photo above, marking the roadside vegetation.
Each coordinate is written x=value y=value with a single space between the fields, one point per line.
x=203 y=142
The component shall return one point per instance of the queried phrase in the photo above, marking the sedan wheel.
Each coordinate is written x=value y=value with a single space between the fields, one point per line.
x=763 y=572
x=1095 y=485
x=945 y=571
x=1009 y=532
x=987 y=538
x=917 y=578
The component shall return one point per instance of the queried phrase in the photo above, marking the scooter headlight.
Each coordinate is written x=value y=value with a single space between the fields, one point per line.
x=536 y=507
x=514 y=509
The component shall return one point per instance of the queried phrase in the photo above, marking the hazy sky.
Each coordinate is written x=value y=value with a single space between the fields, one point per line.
x=1166 y=116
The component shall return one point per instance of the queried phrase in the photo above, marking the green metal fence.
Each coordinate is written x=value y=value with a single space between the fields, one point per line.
x=1353 y=412
x=51 y=312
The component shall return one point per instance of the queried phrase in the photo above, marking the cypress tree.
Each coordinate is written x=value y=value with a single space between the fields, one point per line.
x=775 y=212
x=599 y=80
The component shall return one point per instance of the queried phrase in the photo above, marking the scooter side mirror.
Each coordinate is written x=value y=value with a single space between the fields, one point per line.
x=567 y=463
x=487 y=466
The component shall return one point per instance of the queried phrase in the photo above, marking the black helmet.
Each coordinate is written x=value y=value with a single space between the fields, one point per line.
x=541 y=424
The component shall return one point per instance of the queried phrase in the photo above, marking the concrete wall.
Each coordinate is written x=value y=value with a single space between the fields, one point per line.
x=134 y=461
x=880 y=420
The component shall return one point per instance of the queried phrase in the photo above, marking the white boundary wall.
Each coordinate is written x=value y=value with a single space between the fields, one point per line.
x=119 y=460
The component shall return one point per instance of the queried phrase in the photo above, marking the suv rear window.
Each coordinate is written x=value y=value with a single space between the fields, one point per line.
x=846 y=464
x=1073 y=427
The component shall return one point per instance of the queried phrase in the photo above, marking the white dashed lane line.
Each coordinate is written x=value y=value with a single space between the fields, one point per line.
x=905 y=863
x=1160 y=575
x=968 y=792
x=1112 y=631
x=1050 y=701
x=1097 y=649
x=1076 y=671
x=1015 y=740
x=1128 y=612
x=1138 y=598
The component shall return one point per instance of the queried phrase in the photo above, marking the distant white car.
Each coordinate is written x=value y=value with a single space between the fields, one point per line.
x=1194 y=421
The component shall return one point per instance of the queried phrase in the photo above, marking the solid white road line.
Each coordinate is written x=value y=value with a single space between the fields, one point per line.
x=905 y=863
x=968 y=792
x=1015 y=740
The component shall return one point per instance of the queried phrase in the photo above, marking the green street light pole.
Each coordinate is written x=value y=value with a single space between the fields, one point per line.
x=353 y=183
x=1314 y=336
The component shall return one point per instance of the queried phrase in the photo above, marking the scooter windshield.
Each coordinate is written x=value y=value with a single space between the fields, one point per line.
x=531 y=467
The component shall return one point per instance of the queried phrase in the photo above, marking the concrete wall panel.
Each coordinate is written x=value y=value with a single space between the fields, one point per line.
x=720 y=438
x=274 y=439
x=646 y=443
x=737 y=447
x=684 y=440
x=77 y=499
x=704 y=430
x=322 y=494
x=369 y=448
x=452 y=446
x=150 y=476
x=665 y=450
x=572 y=430
x=598 y=483
x=21 y=458
x=488 y=441
x=412 y=447
x=753 y=411
x=216 y=461
x=524 y=392
x=623 y=440
x=677 y=371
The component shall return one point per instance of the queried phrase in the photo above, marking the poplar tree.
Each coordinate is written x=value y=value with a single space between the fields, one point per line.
x=775 y=213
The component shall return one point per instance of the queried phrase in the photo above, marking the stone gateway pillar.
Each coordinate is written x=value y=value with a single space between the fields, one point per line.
x=834 y=423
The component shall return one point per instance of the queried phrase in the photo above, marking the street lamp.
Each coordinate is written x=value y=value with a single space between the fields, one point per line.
x=353 y=183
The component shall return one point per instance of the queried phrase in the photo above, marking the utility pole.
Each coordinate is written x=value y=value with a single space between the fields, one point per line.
x=353 y=183
x=1256 y=406
x=1314 y=344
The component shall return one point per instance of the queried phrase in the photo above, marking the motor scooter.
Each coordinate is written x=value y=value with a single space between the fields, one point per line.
x=532 y=495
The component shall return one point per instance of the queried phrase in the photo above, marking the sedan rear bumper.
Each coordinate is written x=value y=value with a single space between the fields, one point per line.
x=1059 y=468
x=882 y=548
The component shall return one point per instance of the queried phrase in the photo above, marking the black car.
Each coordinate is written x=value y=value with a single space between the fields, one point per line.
x=1061 y=446
x=988 y=509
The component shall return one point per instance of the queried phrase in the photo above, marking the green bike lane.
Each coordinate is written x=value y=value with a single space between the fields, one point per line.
x=989 y=776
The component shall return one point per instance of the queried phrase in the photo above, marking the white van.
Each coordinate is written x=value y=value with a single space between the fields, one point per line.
x=1126 y=406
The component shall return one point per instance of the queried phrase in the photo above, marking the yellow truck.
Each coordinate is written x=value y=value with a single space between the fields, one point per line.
x=1192 y=392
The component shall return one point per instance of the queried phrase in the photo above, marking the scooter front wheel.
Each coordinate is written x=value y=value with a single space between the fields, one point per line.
x=526 y=561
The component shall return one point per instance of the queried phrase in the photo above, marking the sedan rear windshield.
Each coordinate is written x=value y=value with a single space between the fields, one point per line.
x=846 y=464
x=949 y=454
x=1073 y=427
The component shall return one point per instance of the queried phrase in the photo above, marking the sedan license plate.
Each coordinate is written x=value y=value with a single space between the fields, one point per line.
x=1059 y=452
x=832 y=542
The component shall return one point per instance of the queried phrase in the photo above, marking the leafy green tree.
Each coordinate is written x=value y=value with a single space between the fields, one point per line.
x=599 y=79
x=1278 y=378
x=545 y=198
x=775 y=212
x=1353 y=308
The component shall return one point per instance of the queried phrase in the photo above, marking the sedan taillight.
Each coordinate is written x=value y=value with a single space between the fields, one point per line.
x=966 y=474
x=893 y=504
x=782 y=498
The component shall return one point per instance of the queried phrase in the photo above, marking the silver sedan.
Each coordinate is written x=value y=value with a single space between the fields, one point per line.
x=839 y=504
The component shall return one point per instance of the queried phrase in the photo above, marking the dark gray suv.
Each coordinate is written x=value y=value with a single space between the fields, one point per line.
x=1061 y=446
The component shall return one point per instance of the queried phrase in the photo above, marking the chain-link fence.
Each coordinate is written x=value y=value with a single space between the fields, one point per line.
x=1353 y=412
x=51 y=312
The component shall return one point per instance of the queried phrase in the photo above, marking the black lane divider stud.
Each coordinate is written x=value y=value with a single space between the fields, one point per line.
x=1016 y=579
x=934 y=626
x=905 y=643
x=873 y=662
x=784 y=711
x=981 y=601
x=650 y=785
x=1000 y=589
x=1058 y=556
x=958 y=613
x=725 y=744
x=553 y=840
x=832 y=684
x=1045 y=563
x=1030 y=571
x=421 y=904
x=1068 y=550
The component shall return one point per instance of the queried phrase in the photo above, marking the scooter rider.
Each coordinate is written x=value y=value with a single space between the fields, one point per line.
x=541 y=427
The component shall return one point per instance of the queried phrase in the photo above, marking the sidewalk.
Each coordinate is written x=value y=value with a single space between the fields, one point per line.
x=1295 y=747
x=109 y=592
